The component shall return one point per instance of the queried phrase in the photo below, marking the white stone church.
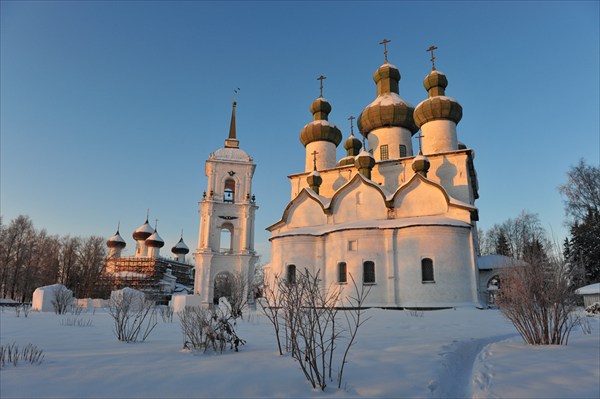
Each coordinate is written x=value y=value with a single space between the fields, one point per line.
x=405 y=225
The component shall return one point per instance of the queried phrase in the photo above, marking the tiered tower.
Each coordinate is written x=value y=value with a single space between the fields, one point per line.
x=226 y=236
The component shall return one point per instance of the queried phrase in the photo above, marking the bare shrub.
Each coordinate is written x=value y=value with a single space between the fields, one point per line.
x=23 y=307
x=62 y=299
x=166 y=313
x=310 y=320
x=12 y=354
x=205 y=329
x=75 y=322
x=416 y=313
x=239 y=295
x=271 y=305
x=537 y=299
x=134 y=315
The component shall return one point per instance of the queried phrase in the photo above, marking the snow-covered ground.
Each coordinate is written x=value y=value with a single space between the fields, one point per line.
x=449 y=354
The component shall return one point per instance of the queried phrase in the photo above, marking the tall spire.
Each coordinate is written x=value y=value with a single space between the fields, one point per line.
x=232 y=141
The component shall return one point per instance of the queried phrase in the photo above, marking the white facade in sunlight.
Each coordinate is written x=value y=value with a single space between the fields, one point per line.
x=226 y=237
x=401 y=224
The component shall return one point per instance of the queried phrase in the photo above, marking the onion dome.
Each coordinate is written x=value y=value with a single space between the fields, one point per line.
x=180 y=248
x=421 y=164
x=320 y=129
x=155 y=241
x=438 y=105
x=143 y=232
x=116 y=241
x=364 y=162
x=314 y=180
x=388 y=109
x=352 y=146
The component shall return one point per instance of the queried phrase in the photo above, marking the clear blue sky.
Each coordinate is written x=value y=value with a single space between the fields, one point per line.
x=110 y=108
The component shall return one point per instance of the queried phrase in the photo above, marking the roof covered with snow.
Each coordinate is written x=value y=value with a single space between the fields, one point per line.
x=489 y=262
x=230 y=154
x=589 y=289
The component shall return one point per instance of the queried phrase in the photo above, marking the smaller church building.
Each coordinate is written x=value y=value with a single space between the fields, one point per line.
x=158 y=276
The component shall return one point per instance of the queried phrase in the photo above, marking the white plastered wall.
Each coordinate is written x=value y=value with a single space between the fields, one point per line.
x=393 y=137
x=325 y=155
x=439 y=136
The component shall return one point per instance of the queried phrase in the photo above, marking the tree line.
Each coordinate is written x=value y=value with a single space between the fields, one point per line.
x=524 y=238
x=31 y=258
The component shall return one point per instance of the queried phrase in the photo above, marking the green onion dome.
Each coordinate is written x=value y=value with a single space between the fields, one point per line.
x=364 y=161
x=352 y=146
x=320 y=129
x=438 y=105
x=421 y=164
x=388 y=109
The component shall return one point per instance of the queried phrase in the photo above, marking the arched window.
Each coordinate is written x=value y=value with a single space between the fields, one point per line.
x=368 y=272
x=226 y=240
x=427 y=270
x=342 y=278
x=229 y=193
x=291 y=274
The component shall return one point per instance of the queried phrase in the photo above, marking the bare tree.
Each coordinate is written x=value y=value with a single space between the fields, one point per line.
x=62 y=298
x=537 y=299
x=582 y=191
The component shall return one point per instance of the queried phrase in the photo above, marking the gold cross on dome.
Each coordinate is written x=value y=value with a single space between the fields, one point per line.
x=314 y=154
x=385 y=42
x=321 y=78
x=351 y=118
x=431 y=48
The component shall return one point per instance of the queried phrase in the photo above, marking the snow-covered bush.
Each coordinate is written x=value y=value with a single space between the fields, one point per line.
x=12 y=354
x=134 y=315
x=205 y=329
x=594 y=308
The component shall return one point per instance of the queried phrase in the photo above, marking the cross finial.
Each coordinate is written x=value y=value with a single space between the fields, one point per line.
x=155 y=224
x=431 y=48
x=147 y=214
x=321 y=78
x=351 y=119
x=314 y=154
x=420 y=136
x=235 y=92
x=364 y=145
x=385 y=42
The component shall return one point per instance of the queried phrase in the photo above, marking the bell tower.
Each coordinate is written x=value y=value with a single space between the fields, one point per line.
x=227 y=210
